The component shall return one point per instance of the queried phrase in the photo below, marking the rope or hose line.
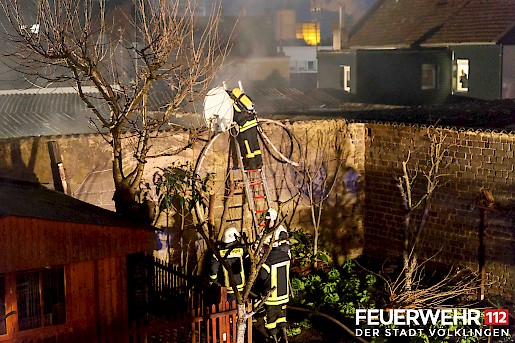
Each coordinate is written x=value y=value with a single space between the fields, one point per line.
x=269 y=142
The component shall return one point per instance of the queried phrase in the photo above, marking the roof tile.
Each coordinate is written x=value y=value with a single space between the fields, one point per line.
x=404 y=23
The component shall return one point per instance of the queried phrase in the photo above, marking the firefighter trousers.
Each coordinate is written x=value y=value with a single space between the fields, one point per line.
x=275 y=318
x=250 y=149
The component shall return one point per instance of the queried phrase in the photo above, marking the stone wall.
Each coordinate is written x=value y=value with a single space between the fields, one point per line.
x=474 y=160
x=364 y=209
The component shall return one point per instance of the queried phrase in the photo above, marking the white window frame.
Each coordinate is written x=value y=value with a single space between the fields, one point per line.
x=462 y=65
x=346 y=78
x=428 y=81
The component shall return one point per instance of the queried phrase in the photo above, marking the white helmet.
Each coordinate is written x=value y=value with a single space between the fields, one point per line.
x=280 y=236
x=231 y=234
x=271 y=214
x=267 y=239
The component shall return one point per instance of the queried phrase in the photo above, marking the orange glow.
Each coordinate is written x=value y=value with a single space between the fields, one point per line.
x=310 y=32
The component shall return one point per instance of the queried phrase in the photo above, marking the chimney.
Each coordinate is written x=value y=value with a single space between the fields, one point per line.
x=340 y=34
x=58 y=172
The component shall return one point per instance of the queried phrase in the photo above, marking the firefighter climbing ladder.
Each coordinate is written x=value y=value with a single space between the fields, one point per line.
x=243 y=189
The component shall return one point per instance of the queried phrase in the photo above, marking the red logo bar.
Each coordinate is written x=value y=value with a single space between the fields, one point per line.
x=496 y=317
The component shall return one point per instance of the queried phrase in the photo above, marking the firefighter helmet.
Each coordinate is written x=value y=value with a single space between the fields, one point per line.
x=231 y=234
x=271 y=214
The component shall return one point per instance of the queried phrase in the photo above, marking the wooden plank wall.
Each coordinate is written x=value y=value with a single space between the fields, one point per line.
x=96 y=301
x=32 y=243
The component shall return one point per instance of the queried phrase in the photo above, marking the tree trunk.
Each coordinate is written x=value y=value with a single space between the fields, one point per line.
x=241 y=323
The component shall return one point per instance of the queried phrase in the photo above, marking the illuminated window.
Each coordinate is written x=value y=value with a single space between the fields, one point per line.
x=345 y=78
x=462 y=75
x=428 y=76
x=309 y=32
x=40 y=298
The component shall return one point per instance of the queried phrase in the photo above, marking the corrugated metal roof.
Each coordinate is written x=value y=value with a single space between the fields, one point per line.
x=404 y=23
x=37 y=114
x=58 y=111
x=41 y=113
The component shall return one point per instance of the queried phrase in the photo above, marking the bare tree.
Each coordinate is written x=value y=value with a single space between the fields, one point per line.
x=423 y=172
x=417 y=206
x=116 y=58
x=323 y=158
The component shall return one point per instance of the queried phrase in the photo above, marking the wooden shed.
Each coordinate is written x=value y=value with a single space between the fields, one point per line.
x=63 y=264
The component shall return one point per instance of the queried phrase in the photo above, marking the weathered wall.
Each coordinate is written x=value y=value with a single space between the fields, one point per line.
x=87 y=159
x=372 y=156
x=334 y=157
x=475 y=160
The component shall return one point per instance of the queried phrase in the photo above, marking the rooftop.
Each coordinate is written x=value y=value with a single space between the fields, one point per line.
x=62 y=113
x=32 y=200
x=406 y=23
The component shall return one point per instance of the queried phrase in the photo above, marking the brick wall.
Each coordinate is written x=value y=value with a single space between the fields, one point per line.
x=475 y=160
x=373 y=220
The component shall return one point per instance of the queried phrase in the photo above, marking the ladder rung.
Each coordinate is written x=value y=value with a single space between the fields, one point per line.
x=237 y=206
x=259 y=197
x=252 y=170
x=233 y=220
x=239 y=193
x=256 y=183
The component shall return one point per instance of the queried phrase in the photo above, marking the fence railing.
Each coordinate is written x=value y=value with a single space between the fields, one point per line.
x=196 y=322
x=171 y=291
x=211 y=318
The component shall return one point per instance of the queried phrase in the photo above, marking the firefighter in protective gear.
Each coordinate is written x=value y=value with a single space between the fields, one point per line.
x=245 y=117
x=233 y=252
x=271 y=223
x=281 y=240
x=275 y=274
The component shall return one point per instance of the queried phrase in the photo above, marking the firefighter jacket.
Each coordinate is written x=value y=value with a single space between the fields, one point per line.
x=234 y=255
x=275 y=272
x=245 y=117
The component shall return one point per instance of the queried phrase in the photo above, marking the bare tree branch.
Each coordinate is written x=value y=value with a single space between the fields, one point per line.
x=126 y=53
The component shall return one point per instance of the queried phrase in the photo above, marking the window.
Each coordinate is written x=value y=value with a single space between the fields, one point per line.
x=311 y=65
x=40 y=297
x=428 y=76
x=462 y=75
x=345 y=78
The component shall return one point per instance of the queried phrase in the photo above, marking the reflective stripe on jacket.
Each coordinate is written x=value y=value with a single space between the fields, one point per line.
x=234 y=258
x=275 y=272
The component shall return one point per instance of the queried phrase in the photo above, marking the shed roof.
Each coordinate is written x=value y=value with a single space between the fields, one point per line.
x=32 y=200
x=406 y=23
x=42 y=228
